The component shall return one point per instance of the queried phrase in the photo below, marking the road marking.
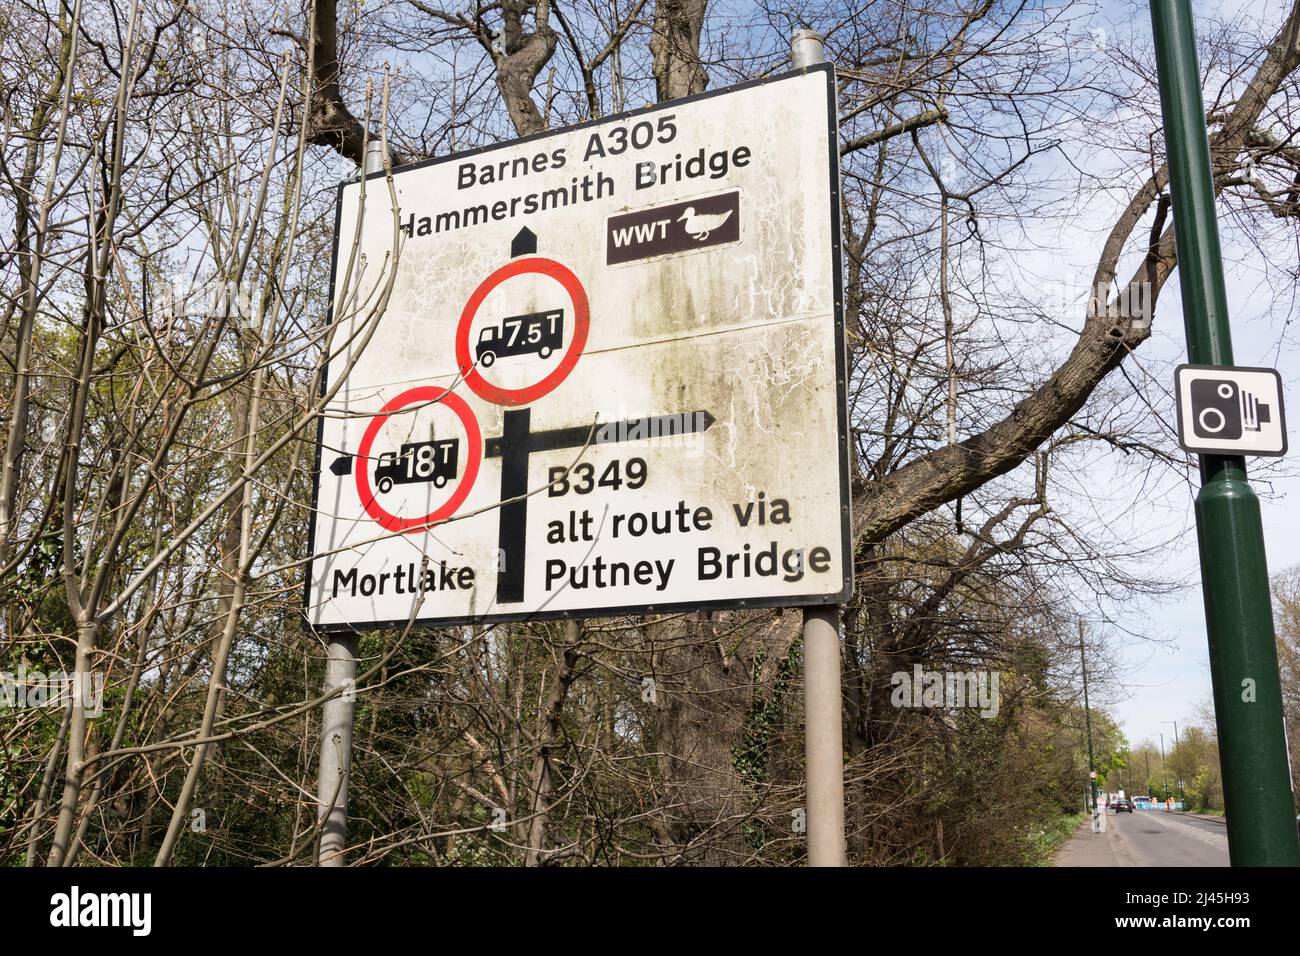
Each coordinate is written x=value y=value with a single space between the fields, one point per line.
x=1216 y=840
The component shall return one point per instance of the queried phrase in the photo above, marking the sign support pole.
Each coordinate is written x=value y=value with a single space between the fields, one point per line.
x=1234 y=574
x=823 y=713
x=338 y=714
x=1087 y=720
x=335 y=766
x=823 y=736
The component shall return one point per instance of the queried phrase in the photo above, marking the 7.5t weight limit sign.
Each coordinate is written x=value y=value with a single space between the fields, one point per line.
x=609 y=377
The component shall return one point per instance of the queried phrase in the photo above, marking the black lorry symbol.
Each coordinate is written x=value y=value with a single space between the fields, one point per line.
x=434 y=461
x=541 y=333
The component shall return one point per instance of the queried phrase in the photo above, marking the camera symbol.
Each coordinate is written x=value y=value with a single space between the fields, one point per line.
x=1221 y=410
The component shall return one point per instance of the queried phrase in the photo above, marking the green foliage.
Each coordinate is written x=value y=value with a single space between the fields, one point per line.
x=750 y=753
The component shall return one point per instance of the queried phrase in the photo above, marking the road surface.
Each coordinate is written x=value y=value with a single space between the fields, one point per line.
x=1149 y=838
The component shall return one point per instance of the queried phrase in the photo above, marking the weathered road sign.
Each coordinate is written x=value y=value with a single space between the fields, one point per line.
x=1228 y=410
x=609 y=376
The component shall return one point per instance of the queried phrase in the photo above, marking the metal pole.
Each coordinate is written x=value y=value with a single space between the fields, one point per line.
x=339 y=712
x=336 y=749
x=807 y=48
x=1177 y=779
x=1234 y=573
x=1164 y=775
x=823 y=741
x=823 y=710
x=374 y=157
x=1087 y=722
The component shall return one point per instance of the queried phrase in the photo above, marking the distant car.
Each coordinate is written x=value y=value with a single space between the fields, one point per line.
x=1123 y=806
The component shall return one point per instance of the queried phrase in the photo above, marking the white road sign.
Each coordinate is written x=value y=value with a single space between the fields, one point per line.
x=1226 y=410
x=599 y=370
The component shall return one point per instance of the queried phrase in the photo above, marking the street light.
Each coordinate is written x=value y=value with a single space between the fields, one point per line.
x=1180 y=779
x=1087 y=719
x=1164 y=780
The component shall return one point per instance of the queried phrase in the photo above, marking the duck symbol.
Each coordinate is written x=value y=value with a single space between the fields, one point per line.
x=700 y=226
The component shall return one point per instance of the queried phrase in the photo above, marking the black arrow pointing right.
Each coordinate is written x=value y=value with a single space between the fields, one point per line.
x=632 y=429
x=517 y=441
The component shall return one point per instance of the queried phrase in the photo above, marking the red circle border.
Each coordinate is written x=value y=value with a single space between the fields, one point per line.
x=473 y=458
x=581 y=322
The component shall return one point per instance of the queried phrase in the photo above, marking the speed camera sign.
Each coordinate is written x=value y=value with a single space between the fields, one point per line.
x=597 y=370
x=1226 y=410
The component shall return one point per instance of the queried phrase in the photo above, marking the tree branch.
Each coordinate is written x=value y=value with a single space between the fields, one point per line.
x=947 y=473
x=330 y=122
x=919 y=121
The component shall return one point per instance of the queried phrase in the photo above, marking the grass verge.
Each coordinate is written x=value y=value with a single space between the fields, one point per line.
x=1053 y=836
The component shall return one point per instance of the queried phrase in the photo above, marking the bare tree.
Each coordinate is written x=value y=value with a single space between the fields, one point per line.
x=165 y=202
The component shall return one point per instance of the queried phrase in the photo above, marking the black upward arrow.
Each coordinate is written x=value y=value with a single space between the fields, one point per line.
x=523 y=244
x=517 y=442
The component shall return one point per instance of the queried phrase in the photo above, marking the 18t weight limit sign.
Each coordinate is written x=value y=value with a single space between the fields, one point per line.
x=609 y=378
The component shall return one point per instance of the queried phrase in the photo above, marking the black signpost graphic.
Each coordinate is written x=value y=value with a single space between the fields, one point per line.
x=517 y=442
